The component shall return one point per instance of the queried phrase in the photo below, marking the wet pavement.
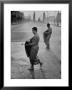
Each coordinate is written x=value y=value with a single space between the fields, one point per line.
x=51 y=59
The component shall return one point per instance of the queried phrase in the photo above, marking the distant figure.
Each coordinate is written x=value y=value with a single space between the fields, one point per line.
x=32 y=48
x=47 y=36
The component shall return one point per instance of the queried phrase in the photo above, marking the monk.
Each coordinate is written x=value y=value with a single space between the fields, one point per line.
x=33 y=44
x=47 y=36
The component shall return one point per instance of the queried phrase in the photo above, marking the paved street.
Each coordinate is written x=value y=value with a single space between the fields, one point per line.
x=51 y=59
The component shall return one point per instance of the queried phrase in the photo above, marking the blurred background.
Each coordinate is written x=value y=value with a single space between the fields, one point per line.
x=53 y=17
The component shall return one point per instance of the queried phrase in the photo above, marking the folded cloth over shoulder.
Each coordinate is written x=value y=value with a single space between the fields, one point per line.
x=27 y=48
x=28 y=51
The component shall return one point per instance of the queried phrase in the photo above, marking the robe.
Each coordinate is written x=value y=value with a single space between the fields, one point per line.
x=47 y=35
x=32 y=49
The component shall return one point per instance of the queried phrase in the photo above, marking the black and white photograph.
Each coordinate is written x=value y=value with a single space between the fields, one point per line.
x=35 y=44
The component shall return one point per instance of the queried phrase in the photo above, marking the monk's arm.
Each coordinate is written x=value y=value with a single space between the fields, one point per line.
x=34 y=41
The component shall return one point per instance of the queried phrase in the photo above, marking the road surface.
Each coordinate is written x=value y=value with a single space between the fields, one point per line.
x=51 y=59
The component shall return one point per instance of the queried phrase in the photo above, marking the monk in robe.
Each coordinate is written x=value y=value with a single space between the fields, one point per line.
x=33 y=44
x=47 y=36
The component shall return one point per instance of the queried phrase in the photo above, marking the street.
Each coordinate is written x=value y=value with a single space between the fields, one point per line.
x=51 y=59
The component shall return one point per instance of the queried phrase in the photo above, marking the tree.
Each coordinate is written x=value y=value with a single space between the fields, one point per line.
x=39 y=19
x=34 y=16
x=58 y=18
x=16 y=16
x=44 y=16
